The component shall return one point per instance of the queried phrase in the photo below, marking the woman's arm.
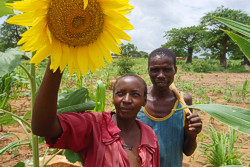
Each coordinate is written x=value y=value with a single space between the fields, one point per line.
x=44 y=119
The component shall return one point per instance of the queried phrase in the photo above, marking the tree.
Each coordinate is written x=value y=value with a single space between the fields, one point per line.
x=143 y=54
x=10 y=35
x=184 y=41
x=217 y=41
x=129 y=50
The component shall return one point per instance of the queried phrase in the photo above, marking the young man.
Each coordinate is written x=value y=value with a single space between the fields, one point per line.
x=103 y=139
x=176 y=131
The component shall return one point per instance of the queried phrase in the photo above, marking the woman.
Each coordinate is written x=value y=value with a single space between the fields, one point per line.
x=103 y=139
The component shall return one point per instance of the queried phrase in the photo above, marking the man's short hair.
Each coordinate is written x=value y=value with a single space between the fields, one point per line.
x=163 y=52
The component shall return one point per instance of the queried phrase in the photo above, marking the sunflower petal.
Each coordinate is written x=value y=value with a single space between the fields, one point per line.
x=25 y=19
x=75 y=63
x=96 y=56
x=56 y=55
x=65 y=56
x=117 y=19
x=104 y=52
x=116 y=32
x=82 y=58
x=110 y=43
x=40 y=55
x=85 y=2
x=70 y=62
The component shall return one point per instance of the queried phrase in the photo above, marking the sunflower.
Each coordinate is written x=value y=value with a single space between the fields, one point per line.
x=77 y=33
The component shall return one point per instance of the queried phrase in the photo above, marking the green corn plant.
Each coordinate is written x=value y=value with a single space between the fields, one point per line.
x=17 y=143
x=242 y=41
x=6 y=83
x=107 y=76
x=244 y=89
x=100 y=97
x=80 y=81
x=228 y=95
x=186 y=86
x=221 y=151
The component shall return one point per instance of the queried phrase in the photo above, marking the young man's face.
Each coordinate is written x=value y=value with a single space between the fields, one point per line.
x=161 y=71
x=129 y=97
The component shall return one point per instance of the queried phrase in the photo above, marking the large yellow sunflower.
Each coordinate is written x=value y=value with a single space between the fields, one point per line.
x=77 y=33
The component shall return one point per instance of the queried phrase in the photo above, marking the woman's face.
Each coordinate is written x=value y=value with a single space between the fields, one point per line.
x=129 y=97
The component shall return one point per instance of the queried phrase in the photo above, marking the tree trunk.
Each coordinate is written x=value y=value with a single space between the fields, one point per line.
x=190 y=55
x=223 y=58
x=245 y=61
x=223 y=61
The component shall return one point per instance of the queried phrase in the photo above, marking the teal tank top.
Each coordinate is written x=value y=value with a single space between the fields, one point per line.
x=170 y=134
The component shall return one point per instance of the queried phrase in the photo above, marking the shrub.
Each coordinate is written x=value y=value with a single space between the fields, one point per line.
x=125 y=65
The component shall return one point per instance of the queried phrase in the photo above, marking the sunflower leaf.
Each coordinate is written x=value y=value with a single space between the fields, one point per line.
x=7 y=120
x=20 y=164
x=73 y=157
x=75 y=101
x=9 y=60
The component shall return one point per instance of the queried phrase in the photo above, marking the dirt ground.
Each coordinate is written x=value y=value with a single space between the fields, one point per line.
x=218 y=80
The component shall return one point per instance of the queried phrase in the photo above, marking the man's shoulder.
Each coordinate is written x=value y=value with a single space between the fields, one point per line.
x=145 y=128
x=148 y=136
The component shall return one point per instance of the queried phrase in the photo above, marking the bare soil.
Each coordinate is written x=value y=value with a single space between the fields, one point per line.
x=230 y=81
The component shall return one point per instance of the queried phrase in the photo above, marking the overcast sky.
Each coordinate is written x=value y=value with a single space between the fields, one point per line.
x=151 y=18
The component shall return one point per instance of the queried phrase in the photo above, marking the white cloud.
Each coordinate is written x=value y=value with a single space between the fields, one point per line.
x=151 y=18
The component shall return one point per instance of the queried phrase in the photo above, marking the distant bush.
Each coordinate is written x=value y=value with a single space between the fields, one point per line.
x=206 y=66
x=202 y=66
x=125 y=65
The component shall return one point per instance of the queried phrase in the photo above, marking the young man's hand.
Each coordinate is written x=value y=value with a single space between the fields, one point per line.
x=193 y=125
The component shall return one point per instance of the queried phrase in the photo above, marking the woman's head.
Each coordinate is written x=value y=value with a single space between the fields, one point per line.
x=129 y=95
x=135 y=76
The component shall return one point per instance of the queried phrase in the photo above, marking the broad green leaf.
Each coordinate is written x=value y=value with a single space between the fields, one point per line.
x=239 y=27
x=100 y=96
x=27 y=115
x=243 y=43
x=3 y=8
x=41 y=140
x=9 y=60
x=76 y=101
x=73 y=157
x=4 y=11
x=7 y=120
x=238 y=118
x=6 y=117
x=19 y=164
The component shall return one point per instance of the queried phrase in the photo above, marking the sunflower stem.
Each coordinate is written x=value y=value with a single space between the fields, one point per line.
x=35 y=150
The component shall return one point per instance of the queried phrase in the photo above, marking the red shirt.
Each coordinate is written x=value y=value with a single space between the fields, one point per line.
x=96 y=137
